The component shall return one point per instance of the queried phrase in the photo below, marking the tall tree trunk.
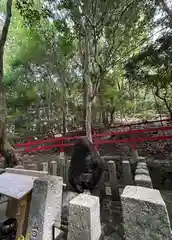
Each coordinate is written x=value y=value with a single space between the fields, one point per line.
x=87 y=80
x=6 y=149
x=84 y=102
x=65 y=114
x=88 y=121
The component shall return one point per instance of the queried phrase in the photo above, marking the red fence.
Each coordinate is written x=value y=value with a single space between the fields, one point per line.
x=131 y=137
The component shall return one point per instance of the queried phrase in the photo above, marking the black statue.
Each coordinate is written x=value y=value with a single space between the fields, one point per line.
x=86 y=166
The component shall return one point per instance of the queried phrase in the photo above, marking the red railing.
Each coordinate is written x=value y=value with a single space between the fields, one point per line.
x=130 y=137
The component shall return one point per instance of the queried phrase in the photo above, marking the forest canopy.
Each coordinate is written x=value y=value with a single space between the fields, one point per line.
x=72 y=64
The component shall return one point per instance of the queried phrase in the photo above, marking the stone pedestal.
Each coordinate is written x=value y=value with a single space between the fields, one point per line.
x=145 y=214
x=45 y=207
x=84 y=218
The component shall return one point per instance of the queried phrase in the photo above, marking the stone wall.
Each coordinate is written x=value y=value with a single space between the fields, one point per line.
x=144 y=211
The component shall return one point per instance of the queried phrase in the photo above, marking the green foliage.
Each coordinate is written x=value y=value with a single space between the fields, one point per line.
x=45 y=61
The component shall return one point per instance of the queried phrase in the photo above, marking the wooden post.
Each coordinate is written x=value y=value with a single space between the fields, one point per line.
x=19 y=209
x=113 y=181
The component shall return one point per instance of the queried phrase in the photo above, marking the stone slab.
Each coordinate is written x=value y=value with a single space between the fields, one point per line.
x=142 y=165
x=111 y=158
x=145 y=215
x=143 y=181
x=142 y=172
x=26 y=172
x=15 y=185
x=84 y=218
x=45 y=208
x=32 y=166
x=141 y=159
x=19 y=167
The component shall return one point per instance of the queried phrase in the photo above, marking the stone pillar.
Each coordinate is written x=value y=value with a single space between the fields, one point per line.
x=134 y=155
x=127 y=173
x=84 y=218
x=32 y=166
x=145 y=214
x=44 y=166
x=67 y=171
x=45 y=208
x=62 y=155
x=53 y=168
x=113 y=181
x=60 y=167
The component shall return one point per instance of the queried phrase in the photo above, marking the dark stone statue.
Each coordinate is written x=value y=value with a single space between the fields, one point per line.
x=86 y=166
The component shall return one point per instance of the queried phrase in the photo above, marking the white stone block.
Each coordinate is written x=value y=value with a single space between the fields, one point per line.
x=45 y=207
x=84 y=218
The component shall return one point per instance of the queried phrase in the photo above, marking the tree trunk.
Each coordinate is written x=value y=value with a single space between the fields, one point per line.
x=87 y=80
x=88 y=121
x=84 y=102
x=6 y=149
x=65 y=114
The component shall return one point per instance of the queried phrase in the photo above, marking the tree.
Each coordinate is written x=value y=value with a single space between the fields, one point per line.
x=103 y=32
x=151 y=67
x=5 y=148
x=67 y=45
